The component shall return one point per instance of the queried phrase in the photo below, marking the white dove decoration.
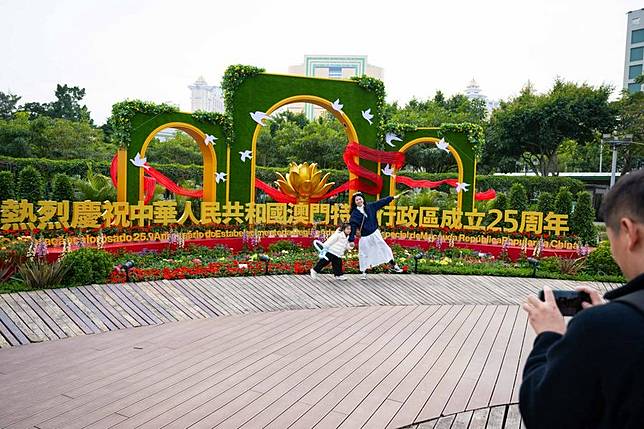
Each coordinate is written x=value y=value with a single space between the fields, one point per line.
x=139 y=162
x=259 y=117
x=210 y=139
x=246 y=154
x=442 y=145
x=367 y=115
x=220 y=177
x=337 y=106
x=390 y=137
x=388 y=171
x=461 y=187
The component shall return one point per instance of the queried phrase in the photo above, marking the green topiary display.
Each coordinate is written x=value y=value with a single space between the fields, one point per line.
x=582 y=219
x=7 y=185
x=61 y=188
x=518 y=198
x=475 y=134
x=563 y=201
x=234 y=76
x=600 y=261
x=87 y=266
x=123 y=113
x=30 y=185
x=546 y=202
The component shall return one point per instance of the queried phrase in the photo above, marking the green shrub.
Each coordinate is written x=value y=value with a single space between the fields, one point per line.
x=7 y=185
x=429 y=198
x=563 y=202
x=600 y=261
x=287 y=245
x=546 y=202
x=30 y=185
x=500 y=202
x=96 y=187
x=582 y=219
x=39 y=274
x=87 y=266
x=549 y=264
x=518 y=198
x=61 y=188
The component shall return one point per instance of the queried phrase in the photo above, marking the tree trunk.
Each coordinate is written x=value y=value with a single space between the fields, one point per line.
x=553 y=164
x=628 y=160
x=530 y=161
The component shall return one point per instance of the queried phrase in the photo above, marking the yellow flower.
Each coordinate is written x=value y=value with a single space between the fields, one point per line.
x=303 y=182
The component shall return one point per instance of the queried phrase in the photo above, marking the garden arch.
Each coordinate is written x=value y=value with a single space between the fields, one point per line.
x=263 y=92
x=143 y=128
x=463 y=152
x=350 y=130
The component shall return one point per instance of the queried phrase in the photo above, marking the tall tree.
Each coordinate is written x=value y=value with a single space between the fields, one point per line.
x=67 y=104
x=533 y=126
x=8 y=105
x=434 y=112
x=35 y=109
x=16 y=136
x=179 y=149
x=631 y=121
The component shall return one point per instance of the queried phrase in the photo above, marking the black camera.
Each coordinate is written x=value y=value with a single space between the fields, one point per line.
x=568 y=301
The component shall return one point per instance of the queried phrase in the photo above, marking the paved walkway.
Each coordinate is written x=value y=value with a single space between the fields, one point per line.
x=398 y=350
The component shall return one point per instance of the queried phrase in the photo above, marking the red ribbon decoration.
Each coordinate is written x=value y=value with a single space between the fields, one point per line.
x=149 y=183
x=353 y=149
x=275 y=194
x=490 y=194
x=424 y=183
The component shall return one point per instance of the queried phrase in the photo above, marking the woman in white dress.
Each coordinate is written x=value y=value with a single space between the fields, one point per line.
x=373 y=250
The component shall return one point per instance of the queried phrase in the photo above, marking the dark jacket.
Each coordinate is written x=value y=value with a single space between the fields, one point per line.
x=593 y=376
x=370 y=224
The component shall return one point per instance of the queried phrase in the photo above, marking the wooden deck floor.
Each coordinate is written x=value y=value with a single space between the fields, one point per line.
x=389 y=353
x=31 y=317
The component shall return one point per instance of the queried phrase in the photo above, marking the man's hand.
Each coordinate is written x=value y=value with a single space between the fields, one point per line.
x=544 y=316
x=595 y=298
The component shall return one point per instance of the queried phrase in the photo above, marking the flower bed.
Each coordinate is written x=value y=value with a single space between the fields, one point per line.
x=172 y=262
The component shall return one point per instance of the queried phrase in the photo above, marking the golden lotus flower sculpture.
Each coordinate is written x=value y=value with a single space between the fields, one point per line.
x=304 y=182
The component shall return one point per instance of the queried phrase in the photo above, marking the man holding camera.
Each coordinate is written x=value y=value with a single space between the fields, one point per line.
x=591 y=373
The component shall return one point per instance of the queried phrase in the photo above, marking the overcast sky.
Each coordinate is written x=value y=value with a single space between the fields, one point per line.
x=153 y=50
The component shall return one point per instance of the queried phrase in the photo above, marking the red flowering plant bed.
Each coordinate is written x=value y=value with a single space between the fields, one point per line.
x=196 y=262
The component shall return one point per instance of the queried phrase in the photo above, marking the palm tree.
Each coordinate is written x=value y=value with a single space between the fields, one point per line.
x=95 y=187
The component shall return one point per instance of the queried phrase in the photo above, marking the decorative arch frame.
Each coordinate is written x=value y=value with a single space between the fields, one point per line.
x=248 y=90
x=144 y=128
x=350 y=130
x=463 y=152
x=267 y=92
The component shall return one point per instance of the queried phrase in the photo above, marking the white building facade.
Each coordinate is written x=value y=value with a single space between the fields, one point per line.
x=206 y=97
x=473 y=92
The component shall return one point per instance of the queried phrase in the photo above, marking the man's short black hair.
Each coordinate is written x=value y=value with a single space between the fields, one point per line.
x=626 y=199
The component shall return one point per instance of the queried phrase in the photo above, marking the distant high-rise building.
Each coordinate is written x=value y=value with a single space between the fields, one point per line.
x=331 y=66
x=634 y=60
x=473 y=92
x=206 y=97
